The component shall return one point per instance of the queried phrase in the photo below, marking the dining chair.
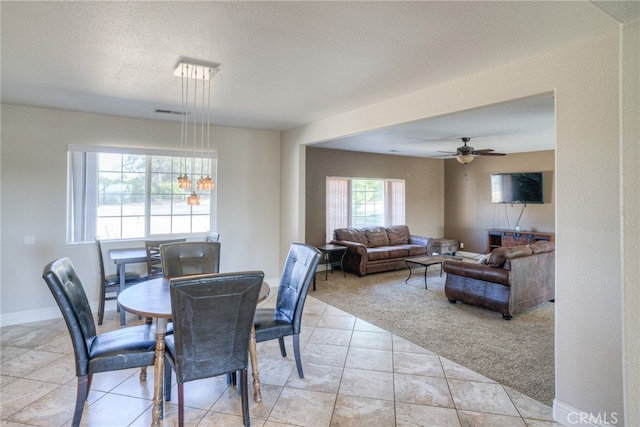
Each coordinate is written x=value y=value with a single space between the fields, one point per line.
x=123 y=348
x=189 y=258
x=110 y=284
x=284 y=320
x=212 y=317
x=213 y=236
x=154 y=261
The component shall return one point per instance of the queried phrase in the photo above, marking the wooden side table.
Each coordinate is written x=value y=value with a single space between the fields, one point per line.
x=327 y=250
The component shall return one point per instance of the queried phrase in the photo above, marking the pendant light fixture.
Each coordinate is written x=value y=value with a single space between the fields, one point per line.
x=195 y=153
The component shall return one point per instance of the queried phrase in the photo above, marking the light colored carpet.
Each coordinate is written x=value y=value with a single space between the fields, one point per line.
x=518 y=353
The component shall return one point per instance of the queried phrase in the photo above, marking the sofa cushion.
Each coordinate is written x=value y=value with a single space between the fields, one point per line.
x=379 y=253
x=351 y=234
x=398 y=251
x=376 y=236
x=398 y=234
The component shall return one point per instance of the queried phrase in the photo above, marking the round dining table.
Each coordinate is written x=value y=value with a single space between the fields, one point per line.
x=151 y=298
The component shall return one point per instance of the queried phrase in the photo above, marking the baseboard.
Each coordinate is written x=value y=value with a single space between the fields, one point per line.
x=567 y=415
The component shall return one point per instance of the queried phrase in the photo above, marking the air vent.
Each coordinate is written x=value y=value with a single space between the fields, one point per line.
x=178 y=113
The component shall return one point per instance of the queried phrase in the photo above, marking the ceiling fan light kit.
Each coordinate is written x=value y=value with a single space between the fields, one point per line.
x=465 y=154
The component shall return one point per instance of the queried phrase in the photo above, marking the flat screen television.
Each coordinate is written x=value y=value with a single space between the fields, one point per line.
x=517 y=188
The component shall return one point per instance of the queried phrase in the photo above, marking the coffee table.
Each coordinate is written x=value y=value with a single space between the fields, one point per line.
x=425 y=261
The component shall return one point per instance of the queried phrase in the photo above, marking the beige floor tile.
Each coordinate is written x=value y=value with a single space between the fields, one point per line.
x=417 y=364
x=422 y=390
x=53 y=409
x=322 y=354
x=355 y=411
x=372 y=340
x=32 y=338
x=317 y=378
x=26 y=363
x=479 y=419
x=192 y=416
x=528 y=407
x=410 y=415
x=114 y=410
x=336 y=322
x=275 y=371
x=303 y=408
x=362 y=325
x=229 y=402
x=216 y=419
x=60 y=371
x=107 y=381
x=374 y=360
x=62 y=344
x=331 y=336
x=455 y=371
x=21 y=393
x=481 y=397
x=401 y=344
x=9 y=352
x=363 y=383
x=4 y=380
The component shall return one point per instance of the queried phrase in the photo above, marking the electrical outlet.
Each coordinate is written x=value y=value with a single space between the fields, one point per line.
x=461 y=245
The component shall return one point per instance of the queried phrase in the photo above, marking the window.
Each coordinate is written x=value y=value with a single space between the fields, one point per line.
x=361 y=202
x=119 y=193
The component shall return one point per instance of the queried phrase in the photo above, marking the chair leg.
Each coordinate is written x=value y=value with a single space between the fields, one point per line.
x=283 y=351
x=244 y=397
x=167 y=381
x=101 y=309
x=84 y=383
x=296 y=353
x=180 y=404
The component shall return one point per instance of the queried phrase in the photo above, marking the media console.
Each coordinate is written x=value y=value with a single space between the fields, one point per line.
x=500 y=237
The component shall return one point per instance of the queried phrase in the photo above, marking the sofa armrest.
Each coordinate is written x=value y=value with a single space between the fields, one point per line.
x=354 y=247
x=477 y=271
x=421 y=240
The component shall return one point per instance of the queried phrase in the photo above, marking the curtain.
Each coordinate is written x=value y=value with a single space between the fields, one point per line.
x=395 y=202
x=338 y=205
x=81 y=196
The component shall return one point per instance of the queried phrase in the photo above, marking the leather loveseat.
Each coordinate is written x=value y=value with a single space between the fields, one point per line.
x=512 y=280
x=375 y=249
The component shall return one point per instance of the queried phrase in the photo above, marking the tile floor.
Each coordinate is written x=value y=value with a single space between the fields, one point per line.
x=356 y=374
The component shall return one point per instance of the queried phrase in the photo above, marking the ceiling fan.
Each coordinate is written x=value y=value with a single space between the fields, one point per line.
x=465 y=154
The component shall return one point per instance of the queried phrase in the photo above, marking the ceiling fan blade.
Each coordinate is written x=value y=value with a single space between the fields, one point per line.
x=448 y=152
x=482 y=153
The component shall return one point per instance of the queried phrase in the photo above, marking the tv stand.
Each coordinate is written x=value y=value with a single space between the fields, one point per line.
x=500 y=237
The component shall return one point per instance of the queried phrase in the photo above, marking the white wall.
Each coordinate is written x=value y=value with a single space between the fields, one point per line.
x=585 y=79
x=34 y=150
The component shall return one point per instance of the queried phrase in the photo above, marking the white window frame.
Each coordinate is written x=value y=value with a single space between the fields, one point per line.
x=82 y=190
x=339 y=202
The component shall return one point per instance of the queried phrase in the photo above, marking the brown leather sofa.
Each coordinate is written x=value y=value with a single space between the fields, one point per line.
x=375 y=249
x=512 y=280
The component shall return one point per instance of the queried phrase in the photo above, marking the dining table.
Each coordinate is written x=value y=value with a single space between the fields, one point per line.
x=122 y=257
x=151 y=298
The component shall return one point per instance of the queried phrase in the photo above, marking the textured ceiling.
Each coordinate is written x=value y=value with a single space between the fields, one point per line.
x=282 y=64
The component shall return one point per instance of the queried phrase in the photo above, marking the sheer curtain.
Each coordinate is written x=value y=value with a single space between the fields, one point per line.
x=395 y=202
x=338 y=205
x=81 y=196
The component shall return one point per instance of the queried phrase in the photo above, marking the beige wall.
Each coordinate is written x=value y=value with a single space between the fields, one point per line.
x=468 y=209
x=34 y=152
x=630 y=219
x=423 y=186
x=585 y=77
